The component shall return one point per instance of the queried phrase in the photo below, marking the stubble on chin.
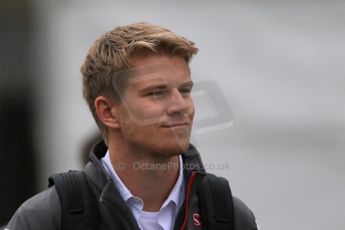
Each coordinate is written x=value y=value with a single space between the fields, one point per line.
x=165 y=152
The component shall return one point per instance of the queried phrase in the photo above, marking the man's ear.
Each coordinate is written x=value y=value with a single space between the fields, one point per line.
x=106 y=112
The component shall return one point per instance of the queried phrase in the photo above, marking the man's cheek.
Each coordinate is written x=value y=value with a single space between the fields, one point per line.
x=192 y=112
x=147 y=116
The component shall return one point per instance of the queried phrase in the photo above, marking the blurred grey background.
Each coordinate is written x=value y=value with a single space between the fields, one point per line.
x=280 y=65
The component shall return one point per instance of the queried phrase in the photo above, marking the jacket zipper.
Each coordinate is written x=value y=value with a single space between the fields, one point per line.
x=189 y=187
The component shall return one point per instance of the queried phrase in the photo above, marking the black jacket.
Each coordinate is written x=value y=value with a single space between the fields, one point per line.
x=43 y=211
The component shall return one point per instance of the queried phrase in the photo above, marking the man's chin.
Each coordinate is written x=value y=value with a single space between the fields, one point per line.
x=176 y=149
x=168 y=148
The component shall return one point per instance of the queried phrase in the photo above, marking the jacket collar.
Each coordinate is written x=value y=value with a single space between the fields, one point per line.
x=99 y=177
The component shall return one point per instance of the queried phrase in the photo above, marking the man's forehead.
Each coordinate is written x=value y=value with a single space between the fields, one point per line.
x=154 y=77
x=157 y=73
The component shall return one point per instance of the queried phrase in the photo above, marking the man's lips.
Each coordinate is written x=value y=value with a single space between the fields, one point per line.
x=175 y=125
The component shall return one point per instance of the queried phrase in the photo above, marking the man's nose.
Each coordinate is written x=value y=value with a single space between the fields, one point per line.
x=178 y=104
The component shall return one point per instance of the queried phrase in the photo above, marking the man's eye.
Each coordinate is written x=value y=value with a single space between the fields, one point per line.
x=185 y=91
x=157 y=93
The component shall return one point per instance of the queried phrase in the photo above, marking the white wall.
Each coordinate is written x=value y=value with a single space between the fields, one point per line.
x=279 y=65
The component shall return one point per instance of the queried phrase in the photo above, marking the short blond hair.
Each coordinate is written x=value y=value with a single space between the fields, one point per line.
x=114 y=51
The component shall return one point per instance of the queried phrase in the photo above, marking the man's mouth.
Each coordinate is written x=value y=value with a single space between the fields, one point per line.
x=176 y=125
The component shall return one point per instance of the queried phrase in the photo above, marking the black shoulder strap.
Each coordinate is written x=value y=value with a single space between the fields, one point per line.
x=78 y=202
x=216 y=203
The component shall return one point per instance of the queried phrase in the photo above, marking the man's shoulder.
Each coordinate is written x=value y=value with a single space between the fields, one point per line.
x=41 y=212
x=43 y=200
x=244 y=217
x=219 y=186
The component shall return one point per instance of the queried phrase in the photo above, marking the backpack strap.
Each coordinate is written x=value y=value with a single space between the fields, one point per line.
x=79 y=209
x=216 y=203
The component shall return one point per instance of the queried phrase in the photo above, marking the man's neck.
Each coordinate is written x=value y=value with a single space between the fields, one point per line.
x=147 y=176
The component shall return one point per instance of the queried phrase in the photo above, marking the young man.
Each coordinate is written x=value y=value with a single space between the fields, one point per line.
x=145 y=174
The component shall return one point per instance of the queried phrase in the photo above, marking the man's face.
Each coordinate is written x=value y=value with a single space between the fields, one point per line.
x=156 y=109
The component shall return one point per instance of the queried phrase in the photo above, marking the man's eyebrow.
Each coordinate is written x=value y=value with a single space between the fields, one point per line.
x=154 y=86
x=163 y=85
x=187 y=84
